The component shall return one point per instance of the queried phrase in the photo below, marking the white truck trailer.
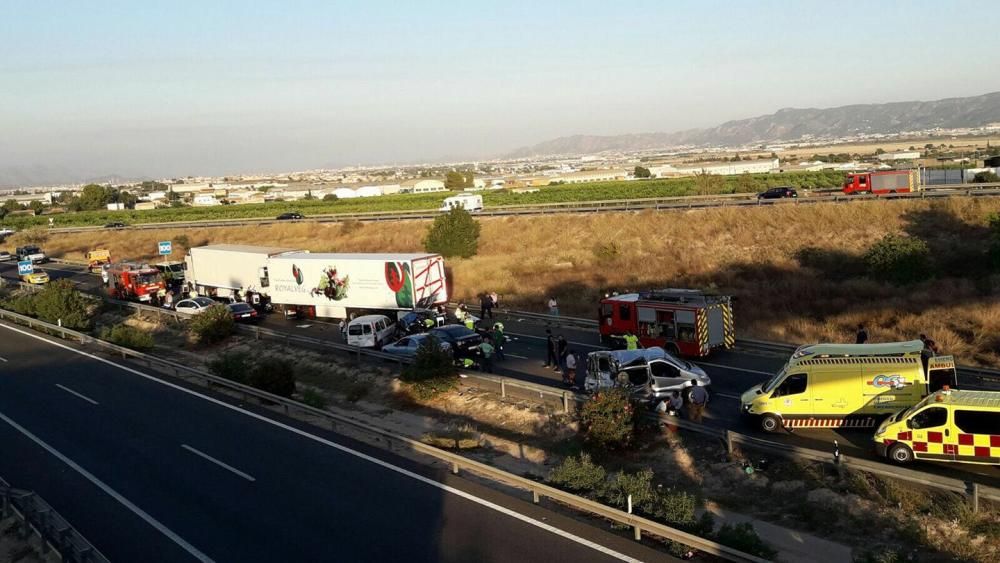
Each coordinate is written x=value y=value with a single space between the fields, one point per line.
x=225 y=269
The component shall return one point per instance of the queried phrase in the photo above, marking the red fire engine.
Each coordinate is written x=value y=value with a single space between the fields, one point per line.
x=884 y=182
x=684 y=321
x=135 y=282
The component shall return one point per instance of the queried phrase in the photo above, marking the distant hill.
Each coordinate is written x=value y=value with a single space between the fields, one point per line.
x=791 y=123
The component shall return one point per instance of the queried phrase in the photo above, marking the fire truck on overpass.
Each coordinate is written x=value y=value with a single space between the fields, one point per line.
x=687 y=322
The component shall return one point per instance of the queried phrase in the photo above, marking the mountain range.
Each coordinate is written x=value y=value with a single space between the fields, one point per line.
x=790 y=124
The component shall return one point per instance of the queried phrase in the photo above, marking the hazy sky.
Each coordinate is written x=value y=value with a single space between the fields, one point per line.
x=212 y=87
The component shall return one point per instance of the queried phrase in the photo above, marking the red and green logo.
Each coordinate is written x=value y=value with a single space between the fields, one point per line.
x=399 y=281
x=297 y=274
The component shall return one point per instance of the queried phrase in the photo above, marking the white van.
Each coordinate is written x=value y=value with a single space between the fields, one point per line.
x=370 y=331
x=468 y=202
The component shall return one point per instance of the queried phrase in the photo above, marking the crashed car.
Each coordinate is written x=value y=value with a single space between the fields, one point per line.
x=414 y=322
x=650 y=373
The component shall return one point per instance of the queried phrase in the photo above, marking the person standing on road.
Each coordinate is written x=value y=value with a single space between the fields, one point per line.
x=698 y=398
x=562 y=349
x=569 y=371
x=495 y=299
x=485 y=306
x=553 y=307
x=486 y=349
x=862 y=335
x=550 y=349
x=498 y=340
x=631 y=341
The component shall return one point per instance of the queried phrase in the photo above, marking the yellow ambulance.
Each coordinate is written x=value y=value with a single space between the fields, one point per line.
x=949 y=425
x=846 y=385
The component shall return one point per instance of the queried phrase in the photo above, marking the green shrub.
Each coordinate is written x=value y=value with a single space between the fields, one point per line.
x=985 y=178
x=213 y=325
x=274 y=376
x=880 y=555
x=899 y=259
x=744 y=538
x=59 y=301
x=432 y=372
x=454 y=233
x=676 y=508
x=608 y=419
x=314 y=398
x=607 y=252
x=579 y=474
x=233 y=366
x=23 y=304
x=638 y=485
x=129 y=337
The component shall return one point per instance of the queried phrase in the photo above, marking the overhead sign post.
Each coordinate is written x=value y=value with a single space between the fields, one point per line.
x=25 y=267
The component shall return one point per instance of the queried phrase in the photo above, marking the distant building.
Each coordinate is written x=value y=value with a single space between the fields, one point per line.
x=368 y=191
x=908 y=155
x=718 y=168
x=344 y=193
x=116 y=206
x=421 y=186
x=205 y=200
x=585 y=176
x=26 y=199
x=145 y=205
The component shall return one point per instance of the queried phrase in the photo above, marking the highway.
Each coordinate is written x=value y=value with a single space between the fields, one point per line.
x=150 y=470
x=732 y=372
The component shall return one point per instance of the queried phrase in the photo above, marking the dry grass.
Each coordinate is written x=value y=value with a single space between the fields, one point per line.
x=754 y=254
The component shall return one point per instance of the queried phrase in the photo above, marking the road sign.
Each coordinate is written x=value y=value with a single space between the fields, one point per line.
x=24 y=268
x=166 y=247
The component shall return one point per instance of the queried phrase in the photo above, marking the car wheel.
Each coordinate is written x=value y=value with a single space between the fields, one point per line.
x=900 y=454
x=770 y=423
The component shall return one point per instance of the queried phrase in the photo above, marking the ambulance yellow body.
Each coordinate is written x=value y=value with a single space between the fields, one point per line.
x=847 y=385
x=955 y=425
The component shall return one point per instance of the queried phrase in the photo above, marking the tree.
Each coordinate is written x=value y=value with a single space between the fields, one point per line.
x=469 y=179
x=879 y=151
x=213 y=325
x=61 y=302
x=330 y=197
x=127 y=199
x=708 y=184
x=433 y=370
x=641 y=172
x=455 y=233
x=899 y=259
x=985 y=178
x=454 y=180
x=608 y=419
x=94 y=196
x=3 y=213
x=11 y=205
x=37 y=207
x=309 y=195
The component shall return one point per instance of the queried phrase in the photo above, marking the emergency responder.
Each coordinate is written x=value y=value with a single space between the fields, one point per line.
x=486 y=350
x=631 y=341
x=498 y=339
x=470 y=322
x=429 y=323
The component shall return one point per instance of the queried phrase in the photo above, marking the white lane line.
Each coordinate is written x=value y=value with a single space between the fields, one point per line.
x=217 y=462
x=3 y=359
x=82 y=396
x=726 y=395
x=594 y=346
x=427 y=481
x=735 y=368
x=505 y=354
x=111 y=492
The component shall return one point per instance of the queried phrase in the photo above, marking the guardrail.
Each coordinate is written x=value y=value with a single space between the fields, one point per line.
x=638 y=204
x=37 y=516
x=456 y=462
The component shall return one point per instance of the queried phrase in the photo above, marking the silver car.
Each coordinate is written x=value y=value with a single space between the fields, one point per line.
x=652 y=373
x=408 y=345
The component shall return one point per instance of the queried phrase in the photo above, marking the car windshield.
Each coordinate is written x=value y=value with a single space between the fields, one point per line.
x=240 y=308
x=147 y=278
x=204 y=301
x=456 y=331
x=773 y=382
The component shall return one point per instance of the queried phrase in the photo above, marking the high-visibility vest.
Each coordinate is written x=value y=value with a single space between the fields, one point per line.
x=470 y=324
x=631 y=342
x=429 y=323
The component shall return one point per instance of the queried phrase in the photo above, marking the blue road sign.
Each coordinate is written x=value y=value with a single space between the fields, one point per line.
x=24 y=268
x=166 y=247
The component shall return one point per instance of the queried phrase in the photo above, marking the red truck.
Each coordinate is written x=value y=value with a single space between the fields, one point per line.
x=135 y=282
x=883 y=182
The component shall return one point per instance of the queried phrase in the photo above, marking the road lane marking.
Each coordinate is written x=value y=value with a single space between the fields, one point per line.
x=82 y=396
x=595 y=346
x=726 y=395
x=384 y=464
x=3 y=360
x=109 y=491
x=505 y=354
x=217 y=462
x=767 y=373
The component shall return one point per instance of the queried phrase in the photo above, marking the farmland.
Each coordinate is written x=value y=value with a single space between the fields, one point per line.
x=597 y=191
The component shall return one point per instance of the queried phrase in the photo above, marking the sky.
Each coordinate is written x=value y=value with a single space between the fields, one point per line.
x=161 y=89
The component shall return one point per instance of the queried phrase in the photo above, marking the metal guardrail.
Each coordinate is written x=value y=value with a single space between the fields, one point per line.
x=456 y=462
x=639 y=204
x=36 y=515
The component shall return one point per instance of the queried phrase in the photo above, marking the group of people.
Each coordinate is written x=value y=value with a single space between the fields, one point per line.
x=697 y=399
x=560 y=357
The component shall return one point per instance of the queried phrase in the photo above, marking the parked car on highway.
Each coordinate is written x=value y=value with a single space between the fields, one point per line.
x=194 y=305
x=408 y=346
x=370 y=331
x=38 y=277
x=464 y=341
x=243 y=312
x=115 y=225
x=778 y=193
x=290 y=216
x=5 y=256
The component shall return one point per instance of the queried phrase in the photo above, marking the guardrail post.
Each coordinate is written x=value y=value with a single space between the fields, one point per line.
x=565 y=398
x=973 y=492
x=503 y=388
x=256 y=333
x=637 y=532
x=535 y=497
x=454 y=467
x=729 y=442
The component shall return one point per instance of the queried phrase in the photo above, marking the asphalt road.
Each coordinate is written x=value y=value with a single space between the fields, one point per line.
x=149 y=470
x=732 y=372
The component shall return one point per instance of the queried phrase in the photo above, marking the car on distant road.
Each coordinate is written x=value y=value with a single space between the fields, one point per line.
x=408 y=345
x=5 y=231
x=194 y=305
x=778 y=193
x=293 y=216
x=115 y=225
x=243 y=312
x=5 y=256
x=464 y=341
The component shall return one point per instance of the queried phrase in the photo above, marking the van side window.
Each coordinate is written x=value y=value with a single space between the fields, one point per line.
x=624 y=312
x=977 y=422
x=379 y=325
x=929 y=418
x=368 y=329
x=794 y=384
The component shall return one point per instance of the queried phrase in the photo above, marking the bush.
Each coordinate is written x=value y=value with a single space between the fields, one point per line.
x=677 y=509
x=60 y=301
x=880 y=555
x=274 y=376
x=233 y=366
x=579 y=475
x=744 y=538
x=36 y=235
x=607 y=252
x=985 y=178
x=608 y=419
x=899 y=259
x=129 y=337
x=637 y=485
x=314 y=398
x=22 y=304
x=432 y=372
x=455 y=233
x=212 y=326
